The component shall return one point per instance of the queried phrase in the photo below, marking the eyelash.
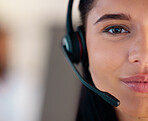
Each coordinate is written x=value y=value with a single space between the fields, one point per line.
x=111 y=29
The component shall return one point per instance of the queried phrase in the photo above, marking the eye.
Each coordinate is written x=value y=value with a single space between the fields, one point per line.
x=116 y=29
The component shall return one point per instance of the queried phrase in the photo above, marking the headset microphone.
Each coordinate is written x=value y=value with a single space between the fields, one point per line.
x=74 y=48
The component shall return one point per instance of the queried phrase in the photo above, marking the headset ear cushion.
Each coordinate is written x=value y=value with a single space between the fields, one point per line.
x=81 y=33
x=75 y=46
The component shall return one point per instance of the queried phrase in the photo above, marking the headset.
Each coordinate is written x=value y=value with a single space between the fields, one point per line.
x=74 y=48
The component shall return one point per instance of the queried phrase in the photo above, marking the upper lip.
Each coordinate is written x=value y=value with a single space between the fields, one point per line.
x=138 y=78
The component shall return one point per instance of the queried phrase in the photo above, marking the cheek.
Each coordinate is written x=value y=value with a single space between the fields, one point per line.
x=105 y=57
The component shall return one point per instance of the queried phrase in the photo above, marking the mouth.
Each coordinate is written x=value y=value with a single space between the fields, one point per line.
x=138 y=83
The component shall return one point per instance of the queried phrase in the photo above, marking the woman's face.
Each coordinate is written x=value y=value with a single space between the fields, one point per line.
x=3 y=48
x=117 y=43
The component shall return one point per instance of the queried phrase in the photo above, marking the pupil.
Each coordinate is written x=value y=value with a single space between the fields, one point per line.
x=116 y=30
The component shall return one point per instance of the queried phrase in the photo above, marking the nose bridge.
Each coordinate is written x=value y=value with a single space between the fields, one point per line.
x=139 y=50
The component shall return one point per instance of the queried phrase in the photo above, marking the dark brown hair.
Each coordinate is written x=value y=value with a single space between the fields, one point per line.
x=84 y=7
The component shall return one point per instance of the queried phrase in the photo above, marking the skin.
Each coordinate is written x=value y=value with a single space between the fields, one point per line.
x=113 y=56
x=3 y=53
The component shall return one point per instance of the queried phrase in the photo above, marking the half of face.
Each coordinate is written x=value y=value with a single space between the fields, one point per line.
x=117 y=45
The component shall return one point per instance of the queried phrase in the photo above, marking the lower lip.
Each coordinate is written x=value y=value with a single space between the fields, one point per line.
x=137 y=86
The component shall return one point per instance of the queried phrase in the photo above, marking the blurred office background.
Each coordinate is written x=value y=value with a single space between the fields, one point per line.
x=39 y=84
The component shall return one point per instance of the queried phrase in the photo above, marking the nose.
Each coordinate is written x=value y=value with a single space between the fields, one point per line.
x=138 y=52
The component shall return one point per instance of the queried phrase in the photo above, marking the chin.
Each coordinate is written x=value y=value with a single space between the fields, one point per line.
x=134 y=106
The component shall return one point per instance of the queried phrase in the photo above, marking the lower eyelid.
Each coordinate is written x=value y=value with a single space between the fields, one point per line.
x=109 y=34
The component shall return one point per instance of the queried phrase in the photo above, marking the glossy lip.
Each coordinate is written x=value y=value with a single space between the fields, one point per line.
x=138 y=83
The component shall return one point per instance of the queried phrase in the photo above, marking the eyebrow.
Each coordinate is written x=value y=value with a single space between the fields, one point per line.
x=120 y=16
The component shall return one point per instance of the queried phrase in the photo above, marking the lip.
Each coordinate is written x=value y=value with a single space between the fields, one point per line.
x=138 y=83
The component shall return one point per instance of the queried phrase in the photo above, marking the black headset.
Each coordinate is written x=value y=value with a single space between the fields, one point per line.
x=74 y=48
x=74 y=41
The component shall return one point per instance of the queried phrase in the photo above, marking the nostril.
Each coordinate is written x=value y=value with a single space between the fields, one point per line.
x=136 y=61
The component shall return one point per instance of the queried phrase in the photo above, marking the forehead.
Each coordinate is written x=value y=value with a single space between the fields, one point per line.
x=137 y=9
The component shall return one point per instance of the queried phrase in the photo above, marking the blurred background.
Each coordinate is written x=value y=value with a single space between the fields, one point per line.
x=36 y=82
